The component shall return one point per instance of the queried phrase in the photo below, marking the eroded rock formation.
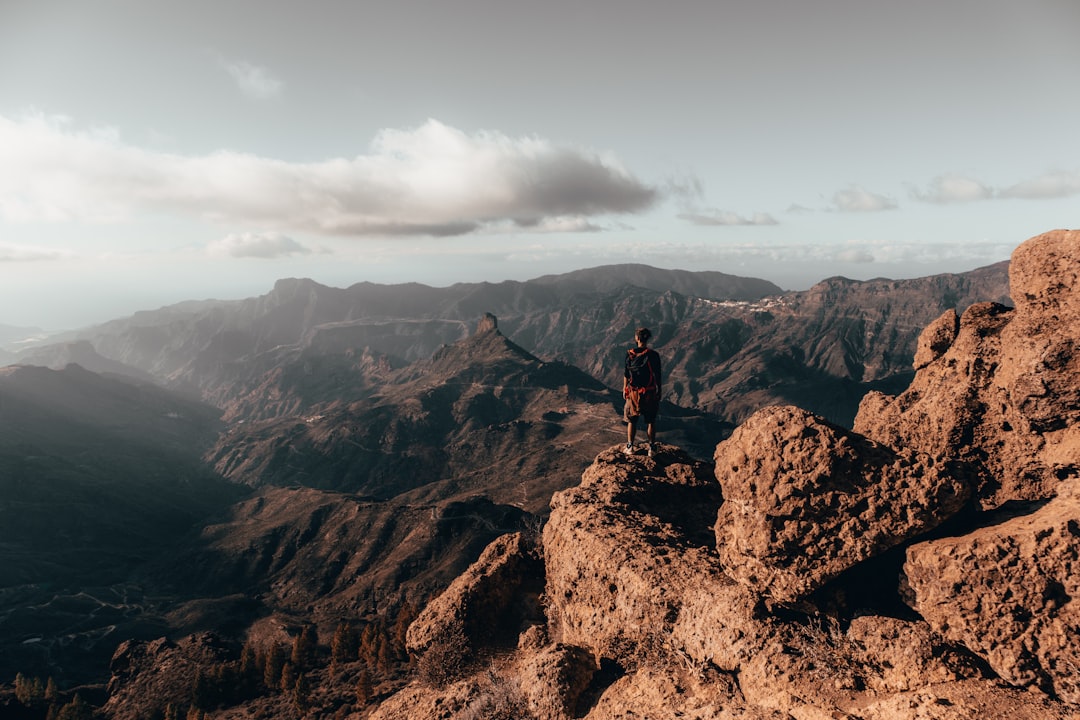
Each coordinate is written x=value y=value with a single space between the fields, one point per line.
x=806 y=500
x=1003 y=396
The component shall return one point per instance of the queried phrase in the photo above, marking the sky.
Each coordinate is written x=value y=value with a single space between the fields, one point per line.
x=153 y=152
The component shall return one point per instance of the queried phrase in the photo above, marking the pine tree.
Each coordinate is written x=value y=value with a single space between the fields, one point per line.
x=29 y=691
x=275 y=660
x=384 y=654
x=365 y=689
x=22 y=689
x=77 y=709
x=201 y=692
x=305 y=648
x=250 y=672
x=368 y=647
x=288 y=676
x=406 y=614
x=52 y=693
x=301 y=692
x=344 y=646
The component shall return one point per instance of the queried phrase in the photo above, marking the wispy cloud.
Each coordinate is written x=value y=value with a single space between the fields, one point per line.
x=858 y=199
x=254 y=81
x=954 y=188
x=863 y=252
x=22 y=253
x=1052 y=184
x=688 y=192
x=719 y=217
x=256 y=245
x=951 y=188
x=430 y=180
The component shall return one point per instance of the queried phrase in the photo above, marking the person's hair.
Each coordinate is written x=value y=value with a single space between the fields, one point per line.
x=643 y=334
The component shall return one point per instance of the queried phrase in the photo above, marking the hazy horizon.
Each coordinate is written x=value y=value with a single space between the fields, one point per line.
x=205 y=150
x=256 y=292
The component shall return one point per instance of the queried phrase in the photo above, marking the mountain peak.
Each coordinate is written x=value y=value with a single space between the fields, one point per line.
x=488 y=323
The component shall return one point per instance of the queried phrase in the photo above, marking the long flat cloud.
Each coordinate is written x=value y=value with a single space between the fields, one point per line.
x=858 y=199
x=431 y=180
x=256 y=245
x=953 y=188
x=720 y=218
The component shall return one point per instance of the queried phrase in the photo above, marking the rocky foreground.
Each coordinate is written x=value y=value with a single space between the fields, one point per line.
x=924 y=565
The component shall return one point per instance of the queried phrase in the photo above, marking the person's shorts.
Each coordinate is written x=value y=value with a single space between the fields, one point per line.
x=645 y=405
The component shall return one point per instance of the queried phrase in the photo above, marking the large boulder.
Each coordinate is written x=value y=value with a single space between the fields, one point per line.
x=1009 y=592
x=630 y=574
x=553 y=679
x=999 y=393
x=804 y=500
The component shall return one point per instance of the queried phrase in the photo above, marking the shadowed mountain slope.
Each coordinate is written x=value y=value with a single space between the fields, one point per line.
x=481 y=415
x=97 y=475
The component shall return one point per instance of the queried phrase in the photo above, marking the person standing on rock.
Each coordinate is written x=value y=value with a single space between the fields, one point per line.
x=641 y=388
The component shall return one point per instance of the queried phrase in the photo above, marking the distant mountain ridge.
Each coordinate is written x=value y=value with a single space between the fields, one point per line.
x=707 y=284
x=731 y=344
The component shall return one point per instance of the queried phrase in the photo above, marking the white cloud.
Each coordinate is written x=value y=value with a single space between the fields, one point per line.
x=23 y=253
x=1053 y=184
x=950 y=188
x=254 y=81
x=718 y=217
x=431 y=180
x=256 y=245
x=853 y=255
x=862 y=252
x=857 y=199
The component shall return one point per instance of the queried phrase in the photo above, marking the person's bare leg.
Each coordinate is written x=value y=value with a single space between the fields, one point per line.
x=631 y=431
x=651 y=430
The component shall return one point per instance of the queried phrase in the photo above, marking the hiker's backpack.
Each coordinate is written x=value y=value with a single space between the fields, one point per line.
x=639 y=370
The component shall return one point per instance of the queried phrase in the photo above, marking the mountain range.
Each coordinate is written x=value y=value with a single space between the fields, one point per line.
x=318 y=455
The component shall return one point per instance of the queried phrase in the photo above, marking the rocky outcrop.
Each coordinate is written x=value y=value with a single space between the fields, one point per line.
x=148 y=677
x=1002 y=396
x=805 y=500
x=658 y=580
x=1009 y=592
x=485 y=602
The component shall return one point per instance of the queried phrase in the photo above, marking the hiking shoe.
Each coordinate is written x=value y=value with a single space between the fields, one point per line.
x=629 y=449
x=652 y=449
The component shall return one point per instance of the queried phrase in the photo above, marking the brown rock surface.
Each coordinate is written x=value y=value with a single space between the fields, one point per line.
x=1009 y=592
x=1003 y=399
x=966 y=700
x=485 y=601
x=554 y=678
x=633 y=589
x=806 y=500
x=904 y=655
x=662 y=693
x=936 y=338
x=628 y=567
